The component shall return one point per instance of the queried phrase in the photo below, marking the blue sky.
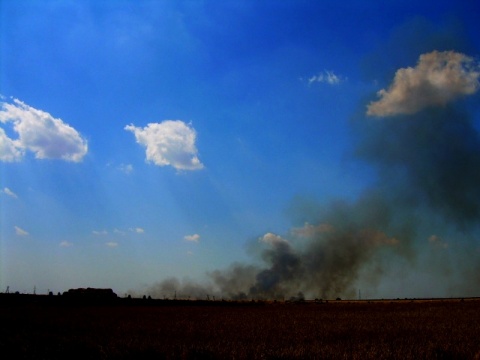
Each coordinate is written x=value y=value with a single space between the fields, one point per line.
x=144 y=140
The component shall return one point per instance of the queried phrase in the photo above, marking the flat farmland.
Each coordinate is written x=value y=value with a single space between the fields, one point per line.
x=439 y=329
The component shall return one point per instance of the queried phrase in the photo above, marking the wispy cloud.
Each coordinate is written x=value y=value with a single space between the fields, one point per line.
x=327 y=77
x=119 y=232
x=137 y=230
x=438 y=78
x=38 y=132
x=192 y=238
x=111 y=244
x=21 y=232
x=309 y=230
x=9 y=192
x=126 y=168
x=65 y=244
x=171 y=142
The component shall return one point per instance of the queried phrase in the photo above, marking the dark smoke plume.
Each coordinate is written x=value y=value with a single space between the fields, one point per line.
x=432 y=157
x=317 y=261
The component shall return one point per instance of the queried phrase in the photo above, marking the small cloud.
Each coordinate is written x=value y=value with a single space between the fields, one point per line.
x=126 y=168
x=272 y=239
x=327 y=77
x=10 y=193
x=38 y=132
x=65 y=244
x=437 y=79
x=101 y=232
x=120 y=232
x=171 y=142
x=21 y=232
x=137 y=230
x=192 y=238
x=112 y=244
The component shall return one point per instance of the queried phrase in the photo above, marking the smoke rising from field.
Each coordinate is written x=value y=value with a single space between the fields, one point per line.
x=427 y=157
x=315 y=261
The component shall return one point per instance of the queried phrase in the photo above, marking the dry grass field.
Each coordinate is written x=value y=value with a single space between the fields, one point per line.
x=448 y=329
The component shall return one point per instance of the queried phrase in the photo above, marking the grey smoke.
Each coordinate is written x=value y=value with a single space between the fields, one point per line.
x=320 y=261
x=432 y=157
x=426 y=196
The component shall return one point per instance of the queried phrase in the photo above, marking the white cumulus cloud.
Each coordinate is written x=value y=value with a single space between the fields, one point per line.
x=192 y=238
x=438 y=78
x=9 y=192
x=40 y=133
x=171 y=142
x=272 y=239
x=21 y=232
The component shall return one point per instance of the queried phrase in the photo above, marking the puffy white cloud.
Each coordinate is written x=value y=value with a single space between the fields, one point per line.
x=9 y=192
x=111 y=244
x=65 y=244
x=40 y=133
x=438 y=78
x=192 y=238
x=328 y=77
x=20 y=232
x=137 y=230
x=171 y=142
x=272 y=239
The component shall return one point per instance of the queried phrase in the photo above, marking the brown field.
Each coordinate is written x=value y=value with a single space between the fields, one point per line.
x=446 y=329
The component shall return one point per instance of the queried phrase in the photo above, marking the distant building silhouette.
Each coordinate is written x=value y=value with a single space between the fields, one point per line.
x=90 y=294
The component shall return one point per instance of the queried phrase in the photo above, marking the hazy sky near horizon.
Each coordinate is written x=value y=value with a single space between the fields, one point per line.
x=141 y=140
